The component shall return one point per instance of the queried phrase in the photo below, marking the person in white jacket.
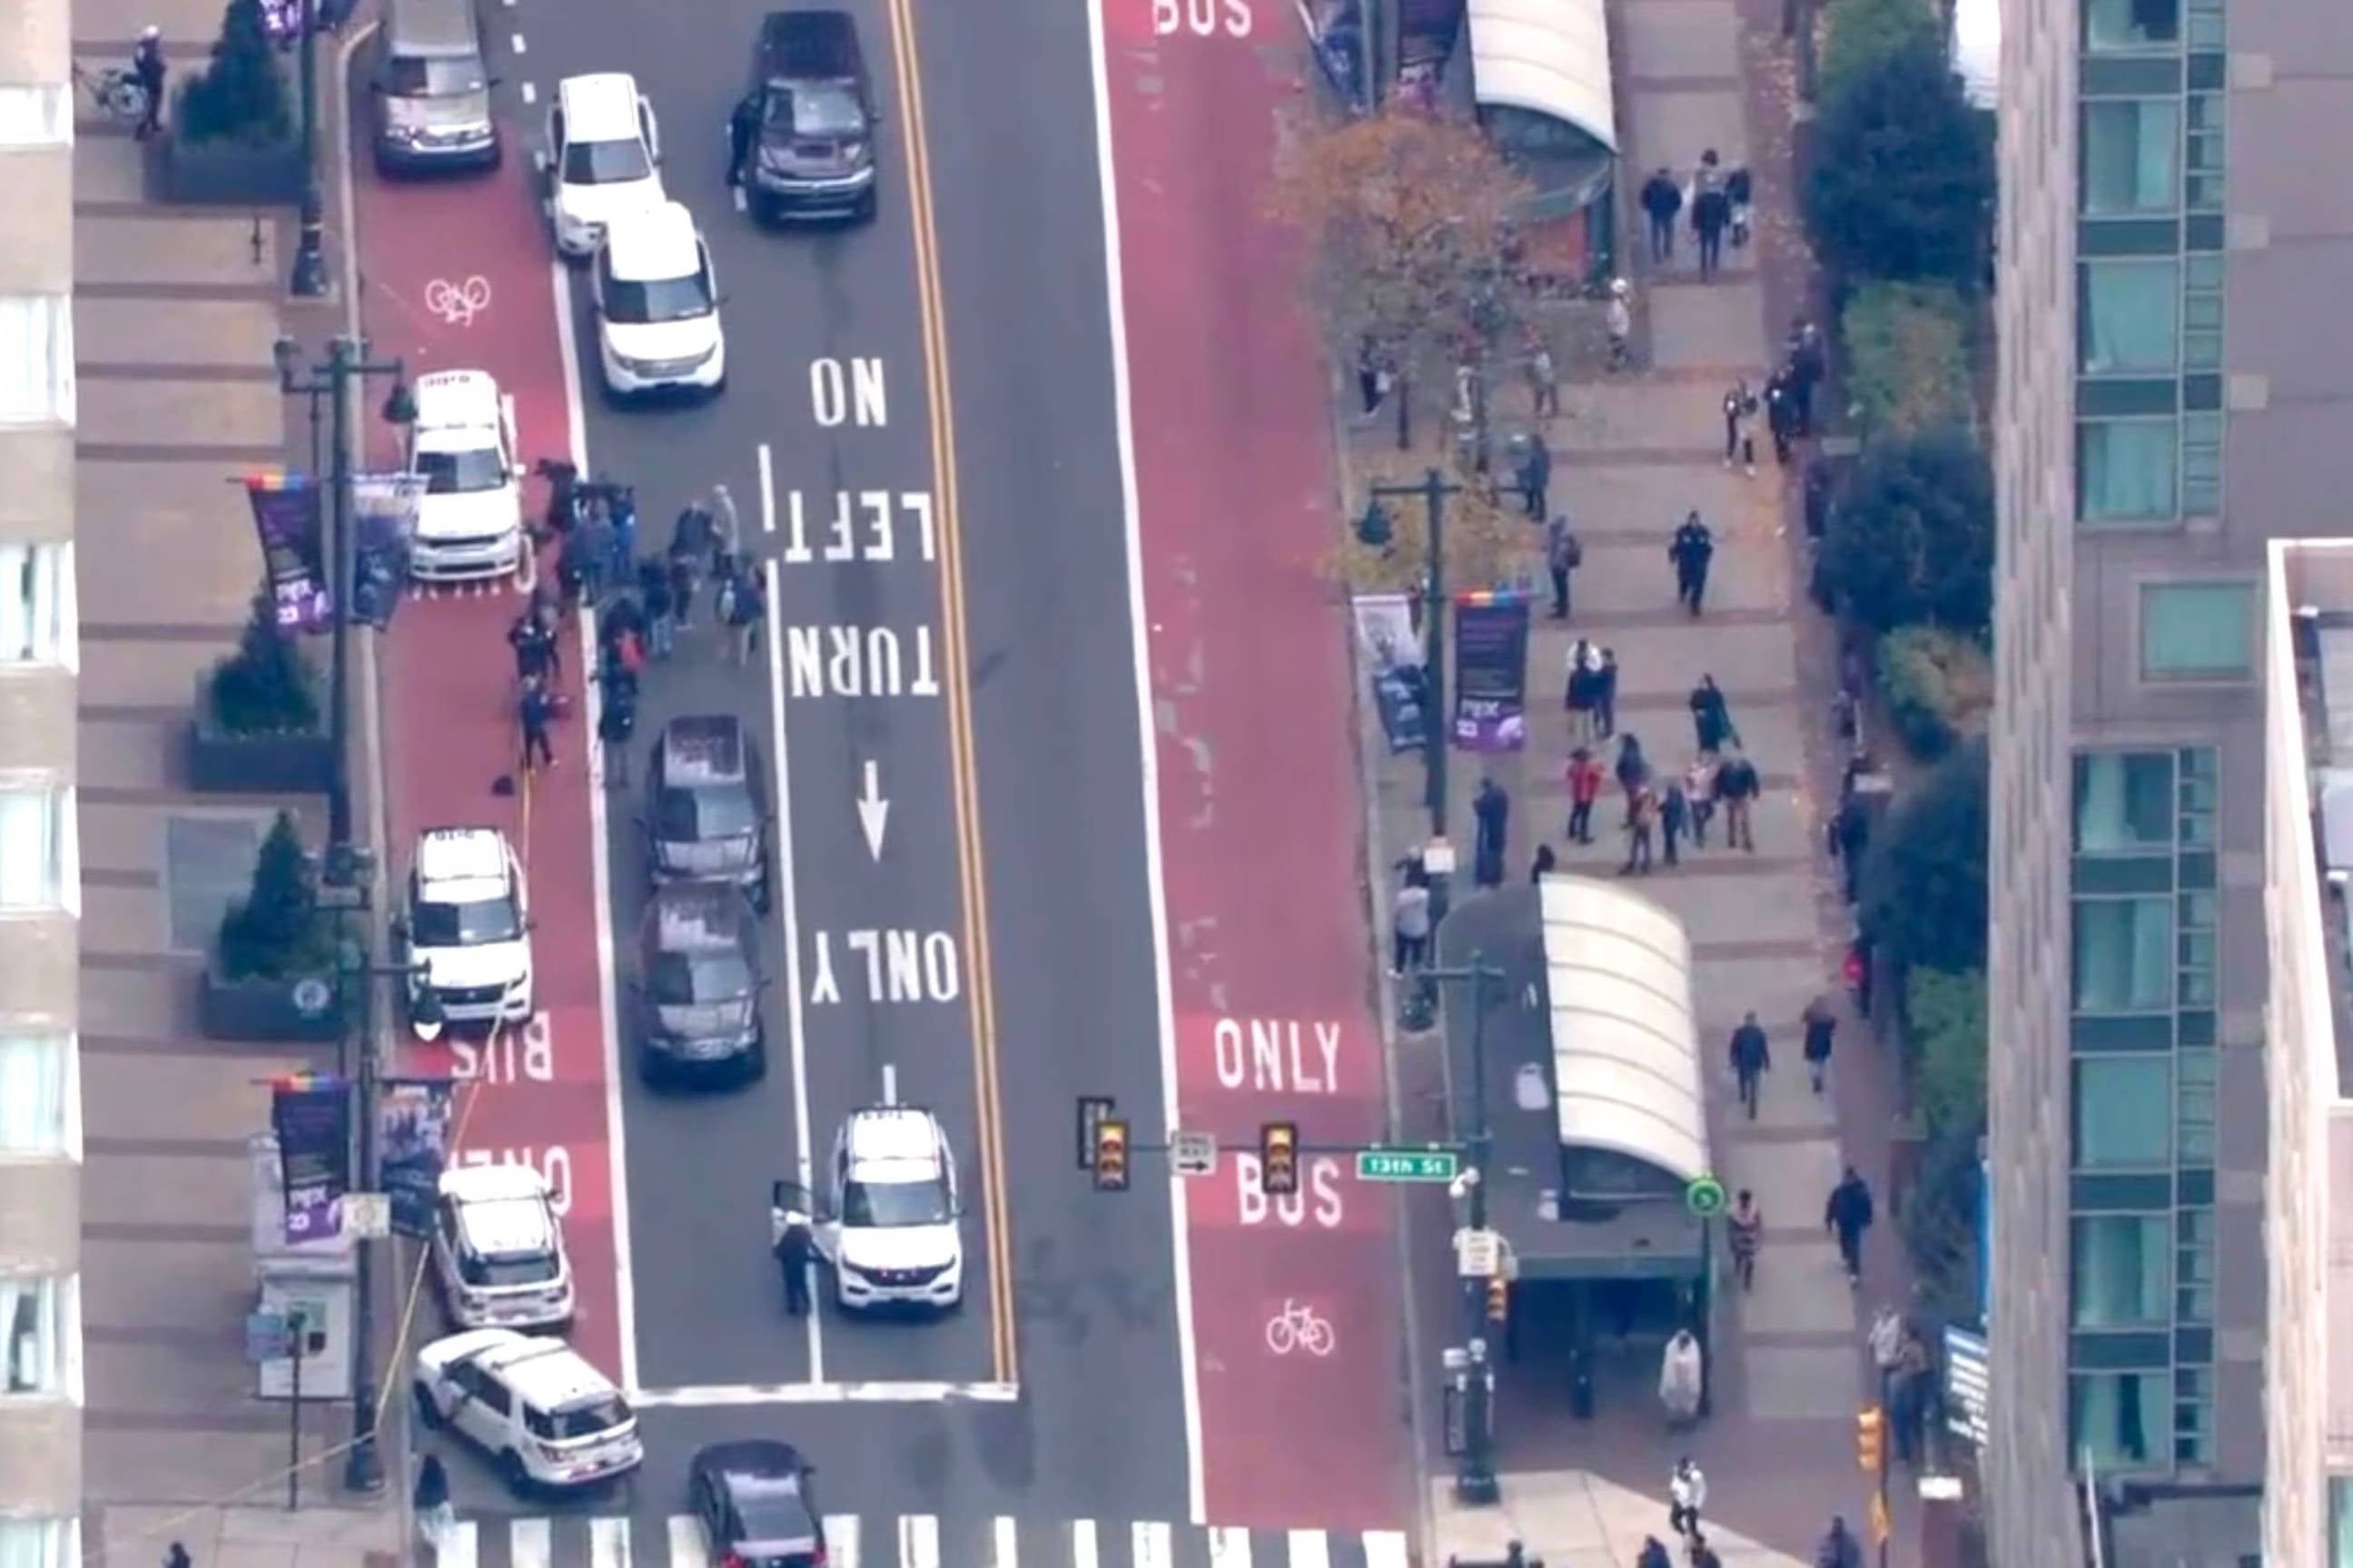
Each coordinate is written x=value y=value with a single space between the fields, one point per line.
x=1680 y=1378
x=1686 y=1495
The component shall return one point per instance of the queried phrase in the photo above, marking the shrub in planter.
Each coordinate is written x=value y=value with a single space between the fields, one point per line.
x=1938 y=686
x=1907 y=359
x=276 y=932
x=1900 y=182
x=1945 y=1034
x=240 y=97
x=1923 y=876
x=265 y=688
x=1911 y=537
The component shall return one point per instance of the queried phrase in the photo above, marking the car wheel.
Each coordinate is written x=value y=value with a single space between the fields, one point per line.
x=755 y=1061
x=428 y=1409
x=510 y=1471
x=866 y=207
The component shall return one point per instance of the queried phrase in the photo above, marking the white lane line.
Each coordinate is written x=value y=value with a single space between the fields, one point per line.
x=520 y=46
x=531 y=1542
x=742 y=202
x=919 y=1540
x=600 y=863
x=841 y=1541
x=713 y=1394
x=1310 y=1549
x=1007 y=1552
x=1150 y=1538
x=890 y=1084
x=1386 y=1549
x=686 y=1547
x=768 y=489
x=789 y=913
x=1147 y=729
x=529 y=93
x=1228 y=1547
x=1083 y=1543
x=609 y=1541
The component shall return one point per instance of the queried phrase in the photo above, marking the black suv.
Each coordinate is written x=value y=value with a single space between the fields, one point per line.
x=812 y=155
x=707 y=817
x=698 y=987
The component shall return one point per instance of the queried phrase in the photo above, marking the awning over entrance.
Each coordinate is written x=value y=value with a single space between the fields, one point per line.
x=1625 y=1045
x=1548 y=56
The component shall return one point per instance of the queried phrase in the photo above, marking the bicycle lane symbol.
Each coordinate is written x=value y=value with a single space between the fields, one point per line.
x=459 y=302
x=1299 y=1327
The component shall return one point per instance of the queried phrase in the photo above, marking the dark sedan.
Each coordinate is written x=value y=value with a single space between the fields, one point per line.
x=755 y=1505
x=697 y=987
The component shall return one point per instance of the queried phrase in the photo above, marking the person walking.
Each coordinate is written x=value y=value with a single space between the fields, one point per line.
x=1806 y=366
x=1884 y=1339
x=1682 y=1378
x=1585 y=778
x=1543 y=377
x=793 y=1242
x=1848 y=837
x=1739 y=439
x=1711 y=216
x=746 y=612
x=1689 y=550
x=1633 y=770
x=533 y=648
x=1618 y=320
x=1686 y=1495
x=743 y=129
x=1737 y=788
x=1739 y=196
x=1752 y=1057
x=1662 y=201
x=534 y=712
x=1535 y=476
x=1583 y=681
x=1745 y=1228
x=1699 y=790
x=1409 y=927
x=1563 y=555
x=1847 y=1214
x=147 y=65
x=1675 y=819
x=1911 y=1388
x=1711 y=718
x=654 y=595
x=1654 y=1554
x=1822 y=1028
x=176 y=1556
x=1641 y=815
x=1492 y=809
x=1781 y=416
x=1703 y=1555
x=1605 y=695
x=1839 y=1549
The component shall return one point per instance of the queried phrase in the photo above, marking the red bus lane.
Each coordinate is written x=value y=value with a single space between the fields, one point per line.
x=1295 y=1299
x=454 y=276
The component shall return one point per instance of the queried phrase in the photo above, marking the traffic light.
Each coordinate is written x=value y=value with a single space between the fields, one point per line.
x=1278 y=1158
x=1111 y=1156
x=1871 y=1440
x=1499 y=1298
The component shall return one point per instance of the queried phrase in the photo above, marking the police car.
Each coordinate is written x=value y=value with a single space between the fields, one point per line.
x=462 y=443
x=894 y=1238
x=466 y=927
x=498 y=1251
x=544 y=1416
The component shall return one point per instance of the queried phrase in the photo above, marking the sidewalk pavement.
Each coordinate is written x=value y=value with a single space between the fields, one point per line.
x=1634 y=452
x=175 y=310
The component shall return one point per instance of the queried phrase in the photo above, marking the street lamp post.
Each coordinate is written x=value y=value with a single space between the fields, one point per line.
x=1474 y=1481
x=310 y=278
x=1375 y=530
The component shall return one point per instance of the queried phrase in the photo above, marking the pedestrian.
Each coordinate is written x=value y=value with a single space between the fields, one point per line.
x=1739 y=194
x=1703 y=1555
x=1370 y=384
x=1563 y=555
x=1584 y=788
x=1781 y=416
x=1618 y=320
x=1409 y=926
x=1884 y=1340
x=623 y=514
x=1654 y=1554
x=1663 y=200
x=1847 y=1214
x=1674 y=818
x=1686 y=1495
x=1689 y=550
x=1641 y=814
x=1633 y=769
x=1839 y=1549
x=1856 y=970
x=534 y=712
x=1605 y=695
x=1543 y=377
x=575 y=568
x=177 y=1557
x=431 y=1502
x=746 y=612
x=1911 y=1388
x=1545 y=863
x=1737 y=788
x=1492 y=809
x=1848 y=837
x=1745 y=1228
x=1821 y=1028
x=1535 y=474
x=680 y=570
x=1740 y=440
x=1682 y=1378
x=1699 y=790
x=532 y=647
x=1711 y=717
x=1807 y=367
x=1711 y=216
x=147 y=65
x=653 y=594
x=1582 y=684
x=792 y=1243
x=1752 y=1057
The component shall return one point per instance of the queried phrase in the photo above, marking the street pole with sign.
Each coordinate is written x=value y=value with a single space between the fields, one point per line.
x=1474 y=1479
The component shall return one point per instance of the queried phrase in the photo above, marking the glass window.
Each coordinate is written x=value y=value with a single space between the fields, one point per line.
x=2123 y=954
x=36 y=1094
x=35 y=116
x=2193 y=1268
x=33 y=1335
x=36 y=605
x=39 y=1542
x=2132 y=156
x=39 y=866
x=2125 y=471
x=36 y=351
x=2121 y=1267
x=2197 y=631
x=2119 y=1417
x=2123 y=1113
x=2124 y=802
x=2193 y=1414
x=2128 y=316
x=2113 y=26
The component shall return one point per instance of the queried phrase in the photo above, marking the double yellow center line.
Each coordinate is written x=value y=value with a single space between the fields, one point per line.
x=1003 y=1350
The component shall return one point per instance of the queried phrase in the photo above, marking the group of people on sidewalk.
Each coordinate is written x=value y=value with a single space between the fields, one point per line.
x=1715 y=198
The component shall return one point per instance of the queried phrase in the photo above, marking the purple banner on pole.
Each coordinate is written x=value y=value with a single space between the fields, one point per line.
x=1491 y=672
x=312 y=1115
x=286 y=519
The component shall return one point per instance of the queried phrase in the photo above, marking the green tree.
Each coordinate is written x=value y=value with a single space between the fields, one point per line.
x=265 y=688
x=1907 y=359
x=241 y=96
x=275 y=932
x=1912 y=538
x=1859 y=34
x=1946 y=1013
x=1902 y=182
x=1923 y=876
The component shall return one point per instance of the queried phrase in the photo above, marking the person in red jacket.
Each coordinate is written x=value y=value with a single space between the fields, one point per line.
x=1585 y=779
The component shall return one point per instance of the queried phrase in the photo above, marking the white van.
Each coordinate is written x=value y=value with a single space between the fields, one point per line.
x=656 y=303
x=604 y=149
x=895 y=1235
x=544 y=1416
x=498 y=1252
x=469 y=518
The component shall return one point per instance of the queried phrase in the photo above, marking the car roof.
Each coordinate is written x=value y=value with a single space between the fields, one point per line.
x=490 y=1184
x=601 y=106
x=447 y=855
x=698 y=917
x=895 y=1134
x=761 y=1457
x=700 y=749
x=545 y=1372
x=460 y=398
x=661 y=241
x=509 y=1226
x=808 y=44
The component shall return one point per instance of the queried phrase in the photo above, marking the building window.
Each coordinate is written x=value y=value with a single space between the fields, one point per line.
x=37 y=610
x=2194 y=920
x=2132 y=156
x=2197 y=631
x=2126 y=316
x=2123 y=1113
x=39 y=1542
x=2126 y=470
x=2115 y=27
x=2203 y=155
x=2193 y=1266
x=2202 y=465
x=39 y=862
x=37 y=1333
x=36 y=1098
x=2123 y=954
x=2199 y=767
x=2201 y=310
x=2124 y=802
x=35 y=116
x=2118 y=1417
x=2121 y=1264
x=37 y=357
x=2193 y=1414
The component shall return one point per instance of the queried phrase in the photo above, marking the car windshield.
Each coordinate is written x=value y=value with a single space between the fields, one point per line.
x=696 y=815
x=870 y=1206
x=517 y=1268
x=657 y=298
x=462 y=473
x=686 y=979
x=440 y=924
x=588 y=1417
x=410 y=76
x=815 y=110
x=605 y=163
x=773 y=1511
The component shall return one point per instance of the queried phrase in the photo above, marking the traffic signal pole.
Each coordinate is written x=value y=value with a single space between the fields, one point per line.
x=1474 y=1479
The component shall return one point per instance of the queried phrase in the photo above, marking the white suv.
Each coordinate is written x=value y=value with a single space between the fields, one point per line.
x=658 y=305
x=894 y=1238
x=469 y=519
x=545 y=1416
x=498 y=1252
x=467 y=928
x=604 y=150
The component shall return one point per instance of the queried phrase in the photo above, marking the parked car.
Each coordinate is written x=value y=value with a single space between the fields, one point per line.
x=696 y=987
x=498 y=1250
x=469 y=523
x=707 y=806
x=465 y=930
x=813 y=156
x=544 y=1416
x=656 y=303
x=604 y=157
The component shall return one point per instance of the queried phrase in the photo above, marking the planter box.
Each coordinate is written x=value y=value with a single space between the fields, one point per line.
x=231 y=174
x=300 y=1010
x=295 y=763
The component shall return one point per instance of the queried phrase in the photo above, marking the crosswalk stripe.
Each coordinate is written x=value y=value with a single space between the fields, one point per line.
x=919 y=1540
x=609 y=1541
x=1386 y=1549
x=460 y=1546
x=1228 y=1548
x=1083 y=1543
x=1007 y=1552
x=686 y=1542
x=1310 y=1549
x=530 y=1544
x=841 y=1540
x=1151 y=1544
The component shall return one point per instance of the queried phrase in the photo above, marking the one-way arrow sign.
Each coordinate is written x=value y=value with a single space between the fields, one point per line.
x=873 y=811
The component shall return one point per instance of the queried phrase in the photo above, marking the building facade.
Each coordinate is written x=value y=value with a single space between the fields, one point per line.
x=40 y=1123
x=2172 y=397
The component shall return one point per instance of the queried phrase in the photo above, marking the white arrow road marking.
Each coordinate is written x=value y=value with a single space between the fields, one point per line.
x=873 y=811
